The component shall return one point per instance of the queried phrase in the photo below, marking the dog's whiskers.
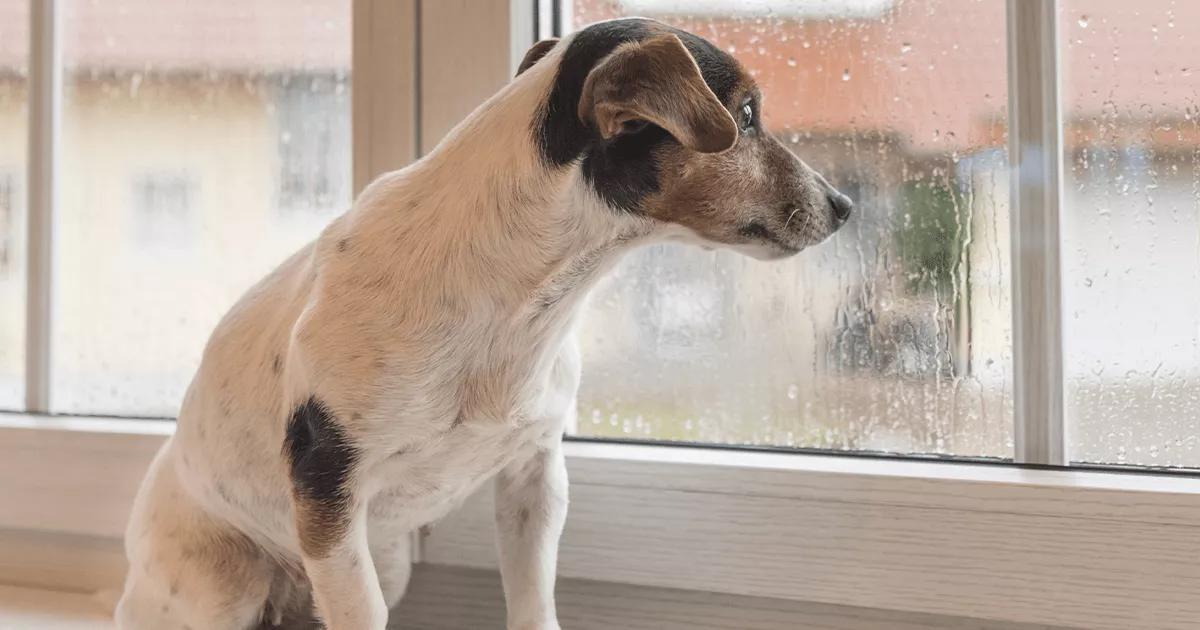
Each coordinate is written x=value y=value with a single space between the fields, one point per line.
x=790 y=217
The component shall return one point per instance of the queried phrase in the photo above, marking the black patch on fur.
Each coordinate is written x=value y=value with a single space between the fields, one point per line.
x=623 y=171
x=535 y=53
x=343 y=244
x=277 y=364
x=321 y=459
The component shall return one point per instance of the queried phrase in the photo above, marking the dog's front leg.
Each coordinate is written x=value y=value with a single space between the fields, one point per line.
x=331 y=520
x=345 y=588
x=531 y=507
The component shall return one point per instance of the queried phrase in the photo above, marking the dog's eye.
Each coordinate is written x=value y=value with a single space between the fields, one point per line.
x=747 y=122
x=630 y=127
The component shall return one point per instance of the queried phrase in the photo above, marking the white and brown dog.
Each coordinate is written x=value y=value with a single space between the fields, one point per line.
x=422 y=345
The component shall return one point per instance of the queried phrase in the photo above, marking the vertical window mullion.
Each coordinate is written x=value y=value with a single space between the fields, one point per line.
x=384 y=103
x=45 y=102
x=1035 y=155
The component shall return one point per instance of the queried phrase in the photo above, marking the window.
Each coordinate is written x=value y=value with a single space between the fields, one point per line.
x=162 y=207
x=1131 y=231
x=8 y=237
x=314 y=143
x=898 y=336
x=14 y=51
x=895 y=336
x=181 y=150
x=213 y=129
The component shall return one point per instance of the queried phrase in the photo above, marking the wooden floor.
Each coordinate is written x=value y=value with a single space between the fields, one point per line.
x=444 y=598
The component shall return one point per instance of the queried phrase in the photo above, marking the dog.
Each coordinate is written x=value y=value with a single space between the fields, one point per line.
x=422 y=345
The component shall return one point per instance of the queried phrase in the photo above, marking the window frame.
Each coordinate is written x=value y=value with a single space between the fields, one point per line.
x=730 y=521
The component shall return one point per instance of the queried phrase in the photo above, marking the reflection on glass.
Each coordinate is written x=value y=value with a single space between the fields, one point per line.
x=14 y=45
x=894 y=336
x=1131 y=230
x=202 y=143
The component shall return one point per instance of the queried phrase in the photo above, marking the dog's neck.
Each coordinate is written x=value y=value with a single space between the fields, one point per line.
x=501 y=223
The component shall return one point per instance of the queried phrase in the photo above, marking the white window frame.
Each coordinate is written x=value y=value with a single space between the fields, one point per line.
x=1022 y=543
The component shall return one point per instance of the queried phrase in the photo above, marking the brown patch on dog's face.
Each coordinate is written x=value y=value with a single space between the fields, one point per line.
x=757 y=197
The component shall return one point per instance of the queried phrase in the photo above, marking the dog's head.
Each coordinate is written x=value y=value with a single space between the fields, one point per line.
x=666 y=125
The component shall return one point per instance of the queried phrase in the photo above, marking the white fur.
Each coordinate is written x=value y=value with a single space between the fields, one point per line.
x=434 y=318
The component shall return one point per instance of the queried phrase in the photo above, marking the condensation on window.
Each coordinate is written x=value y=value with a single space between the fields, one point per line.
x=1131 y=230
x=202 y=143
x=14 y=76
x=893 y=336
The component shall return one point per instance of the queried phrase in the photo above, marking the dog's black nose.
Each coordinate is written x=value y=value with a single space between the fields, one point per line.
x=841 y=204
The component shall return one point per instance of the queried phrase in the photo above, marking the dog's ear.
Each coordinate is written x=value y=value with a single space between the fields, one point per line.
x=535 y=52
x=657 y=81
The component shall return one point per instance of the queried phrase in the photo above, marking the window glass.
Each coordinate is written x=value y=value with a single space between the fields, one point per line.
x=14 y=75
x=202 y=143
x=895 y=335
x=1131 y=230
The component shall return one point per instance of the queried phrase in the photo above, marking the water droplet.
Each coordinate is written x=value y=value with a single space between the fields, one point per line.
x=846 y=74
x=791 y=62
x=905 y=48
x=1083 y=21
x=793 y=392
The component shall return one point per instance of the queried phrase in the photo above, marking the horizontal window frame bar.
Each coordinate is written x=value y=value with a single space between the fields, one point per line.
x=710 y=469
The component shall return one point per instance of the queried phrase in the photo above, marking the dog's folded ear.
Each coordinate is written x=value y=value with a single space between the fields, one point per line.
x=536 y=52
x=657 y=81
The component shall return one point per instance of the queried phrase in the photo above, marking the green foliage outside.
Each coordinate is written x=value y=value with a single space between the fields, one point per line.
x=933 y=231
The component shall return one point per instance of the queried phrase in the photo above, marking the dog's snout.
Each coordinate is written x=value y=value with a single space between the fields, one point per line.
x=841 y=204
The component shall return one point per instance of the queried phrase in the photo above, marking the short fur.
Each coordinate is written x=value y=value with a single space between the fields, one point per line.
x=422 y=344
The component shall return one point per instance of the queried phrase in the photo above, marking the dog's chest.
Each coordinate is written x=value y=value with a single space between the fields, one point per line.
x=420 y=483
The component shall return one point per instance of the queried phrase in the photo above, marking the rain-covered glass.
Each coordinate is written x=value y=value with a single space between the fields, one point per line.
x=895 y=335
x=202 y=143
x=1131 y=230
x=14 y=75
